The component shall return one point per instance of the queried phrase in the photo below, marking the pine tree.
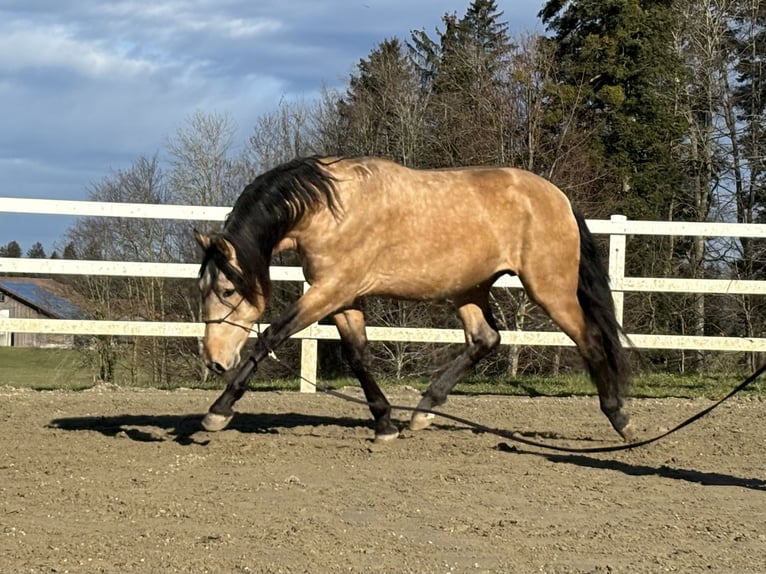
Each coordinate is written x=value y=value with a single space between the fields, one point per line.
x=620 y=54
x=464 y=72
x=11 y=249
x=36 y=251
x=70 y=252
x=382 y=108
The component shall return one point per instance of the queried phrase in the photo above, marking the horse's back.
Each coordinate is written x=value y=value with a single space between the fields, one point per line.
x=508 y=188
x=484 y=202
x=432 y=233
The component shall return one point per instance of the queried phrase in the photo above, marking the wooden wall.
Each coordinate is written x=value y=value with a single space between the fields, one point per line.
x=17 y=309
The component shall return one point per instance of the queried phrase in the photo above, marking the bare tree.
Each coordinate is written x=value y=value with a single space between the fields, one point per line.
x=383 y=109
x=280 y=136
x=203 y=170
x=147 y=298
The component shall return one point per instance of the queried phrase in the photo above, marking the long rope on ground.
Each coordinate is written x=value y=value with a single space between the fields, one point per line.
x=514 y=435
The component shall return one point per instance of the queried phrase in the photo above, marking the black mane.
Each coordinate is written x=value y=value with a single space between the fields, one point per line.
x=265 y=212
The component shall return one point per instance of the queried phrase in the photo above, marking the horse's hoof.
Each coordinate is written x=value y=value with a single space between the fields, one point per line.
x=213 y=422
x=628 y=433
x=420 y=421
x=386 y=436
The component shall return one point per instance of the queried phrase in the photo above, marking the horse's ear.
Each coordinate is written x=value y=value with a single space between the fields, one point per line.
x=202 y=240
x=223 y=245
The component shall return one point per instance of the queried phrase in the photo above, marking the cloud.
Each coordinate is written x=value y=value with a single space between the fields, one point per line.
x=23 y=47
x=183 y=17
x=87 y=87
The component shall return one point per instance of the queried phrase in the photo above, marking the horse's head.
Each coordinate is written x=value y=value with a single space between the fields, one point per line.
x=231 y=302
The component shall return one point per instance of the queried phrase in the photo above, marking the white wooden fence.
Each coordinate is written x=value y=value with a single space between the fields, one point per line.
x=617 y=228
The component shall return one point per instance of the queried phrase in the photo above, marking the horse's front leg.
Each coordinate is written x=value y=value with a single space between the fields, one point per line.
x=481 y=337
x=353 y=337
x=313 y=305
x=221 y=411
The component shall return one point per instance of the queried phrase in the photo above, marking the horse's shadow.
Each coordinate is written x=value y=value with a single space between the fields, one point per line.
x=663 y=471
x=186 y=430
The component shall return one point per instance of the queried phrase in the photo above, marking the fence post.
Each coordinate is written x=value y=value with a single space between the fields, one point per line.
x=617 y=267
x=5 y=336
x=308 y=361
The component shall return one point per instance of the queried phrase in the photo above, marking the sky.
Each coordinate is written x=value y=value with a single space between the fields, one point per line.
x=89 y=86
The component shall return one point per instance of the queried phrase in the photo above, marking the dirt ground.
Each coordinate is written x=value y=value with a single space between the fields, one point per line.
x=120 y=480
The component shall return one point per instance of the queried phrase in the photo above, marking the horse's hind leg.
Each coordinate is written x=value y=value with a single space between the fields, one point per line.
x=559 y=300
x=350 y=324
x=481 y=337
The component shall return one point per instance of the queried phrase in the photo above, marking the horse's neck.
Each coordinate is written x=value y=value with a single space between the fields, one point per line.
x=285 y=244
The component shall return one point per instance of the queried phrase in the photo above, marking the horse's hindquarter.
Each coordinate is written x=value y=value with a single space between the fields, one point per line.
x=431 y=234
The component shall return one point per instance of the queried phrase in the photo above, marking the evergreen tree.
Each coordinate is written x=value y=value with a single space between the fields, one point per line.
x=618 y=59
x=36 y=251
x=620 y=54
x=69 y=251
x=464 y=71
x=11 y=249
x=383 y=108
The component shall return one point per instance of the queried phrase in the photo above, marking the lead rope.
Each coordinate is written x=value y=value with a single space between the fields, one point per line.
x=513 y=435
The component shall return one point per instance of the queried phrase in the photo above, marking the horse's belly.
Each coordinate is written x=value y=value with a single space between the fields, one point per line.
x=429 y=282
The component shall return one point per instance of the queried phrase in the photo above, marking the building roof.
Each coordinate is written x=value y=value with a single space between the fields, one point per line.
x=43 y=300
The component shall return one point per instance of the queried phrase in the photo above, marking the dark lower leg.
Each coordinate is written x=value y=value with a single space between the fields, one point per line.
x=236 y=387
x=224 y=404
x=481 y=338
x=312 y=306
x=600 y=351
x=612 y=408
x=379 y=405
x=609 y=394
x=350 y=323
x=437 y=391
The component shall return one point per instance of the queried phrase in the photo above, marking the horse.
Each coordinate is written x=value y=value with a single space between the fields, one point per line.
x=371 y=227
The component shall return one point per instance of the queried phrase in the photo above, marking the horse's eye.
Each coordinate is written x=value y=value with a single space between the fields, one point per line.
x=228 y=293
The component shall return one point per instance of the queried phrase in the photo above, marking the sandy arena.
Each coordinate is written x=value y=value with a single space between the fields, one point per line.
x=117 y=480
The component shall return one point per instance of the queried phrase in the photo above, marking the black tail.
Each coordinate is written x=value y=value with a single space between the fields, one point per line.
x=606 y=358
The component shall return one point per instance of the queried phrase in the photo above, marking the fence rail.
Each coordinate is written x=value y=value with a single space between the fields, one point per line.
x=617 y=229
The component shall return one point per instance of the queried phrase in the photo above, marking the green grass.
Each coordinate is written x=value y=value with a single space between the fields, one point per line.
x=644 y=386
x=66 y=369
x=44 y=369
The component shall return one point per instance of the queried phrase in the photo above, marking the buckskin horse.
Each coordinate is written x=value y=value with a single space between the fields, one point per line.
x=366 y=226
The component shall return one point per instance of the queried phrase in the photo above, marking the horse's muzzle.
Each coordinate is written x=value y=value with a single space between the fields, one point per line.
x=216 y=367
